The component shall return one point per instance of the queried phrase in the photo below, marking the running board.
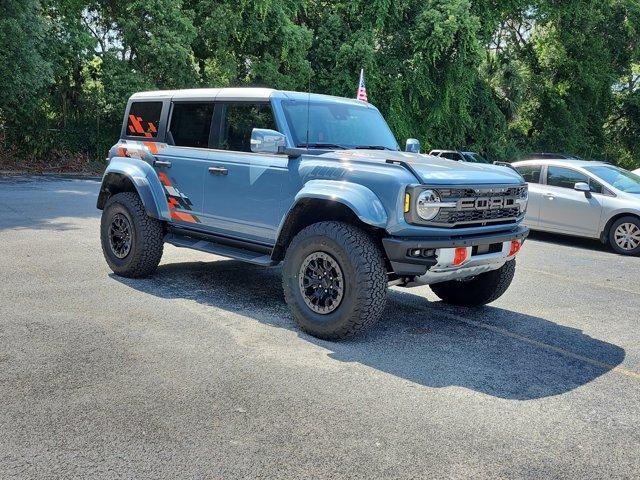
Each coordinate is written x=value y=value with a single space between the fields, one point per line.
x=219 y=249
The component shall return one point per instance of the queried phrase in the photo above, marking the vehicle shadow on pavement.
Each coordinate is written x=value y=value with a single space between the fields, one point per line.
x=490 y=350
x=569 y=241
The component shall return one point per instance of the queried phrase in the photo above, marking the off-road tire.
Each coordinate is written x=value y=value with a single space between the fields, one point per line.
x=480 y=290
x=612 y=231
x=365 y=279
x=146 y=237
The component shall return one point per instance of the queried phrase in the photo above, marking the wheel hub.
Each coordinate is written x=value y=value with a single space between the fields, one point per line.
x=321 y=282
x=120 y=235
x=627 y=236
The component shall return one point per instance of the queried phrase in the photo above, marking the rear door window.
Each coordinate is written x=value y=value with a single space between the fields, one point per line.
x=530 y=173
x=191 y=124
x=143 y=119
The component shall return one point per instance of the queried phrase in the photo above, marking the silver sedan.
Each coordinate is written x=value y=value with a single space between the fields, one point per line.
x=586 y=199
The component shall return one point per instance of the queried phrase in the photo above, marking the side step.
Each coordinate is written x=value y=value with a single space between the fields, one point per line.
x=216 y=248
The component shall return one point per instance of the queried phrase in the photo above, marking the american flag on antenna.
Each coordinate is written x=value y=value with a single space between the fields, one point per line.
x=362 y=91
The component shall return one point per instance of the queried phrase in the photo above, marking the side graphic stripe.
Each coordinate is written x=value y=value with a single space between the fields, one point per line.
x=176 y=199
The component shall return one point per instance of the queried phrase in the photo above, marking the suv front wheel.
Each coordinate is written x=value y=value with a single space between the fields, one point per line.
x=132 y=242
x=334 y=280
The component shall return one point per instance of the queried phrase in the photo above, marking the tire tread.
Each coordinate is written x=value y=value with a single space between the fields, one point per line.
x=147 y=253
x=370 y=273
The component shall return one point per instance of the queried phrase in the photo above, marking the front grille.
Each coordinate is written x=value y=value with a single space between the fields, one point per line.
x=480 y=206
x=449 y=194
x=449 y=215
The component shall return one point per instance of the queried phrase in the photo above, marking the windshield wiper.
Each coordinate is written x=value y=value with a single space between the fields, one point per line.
x=374 y=147
x=321 y=145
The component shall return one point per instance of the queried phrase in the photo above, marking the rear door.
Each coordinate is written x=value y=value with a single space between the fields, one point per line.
x=182 y=164
x=532 y=174
x=243 y=190
x=566 y=210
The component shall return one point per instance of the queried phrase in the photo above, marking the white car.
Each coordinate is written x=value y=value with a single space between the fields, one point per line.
x=584 y=198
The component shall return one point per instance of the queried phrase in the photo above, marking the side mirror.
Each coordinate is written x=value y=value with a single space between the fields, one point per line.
x=583 y=187
x=412 y=145
x=264 y=140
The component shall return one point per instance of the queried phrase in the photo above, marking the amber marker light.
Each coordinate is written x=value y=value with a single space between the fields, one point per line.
x=407 y=202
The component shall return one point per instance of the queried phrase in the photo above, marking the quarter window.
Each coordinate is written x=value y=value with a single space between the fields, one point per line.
x=191 y=124
x=143 y=119
x=240 y=120
x=530 y=173
x=596 y=187
x=564 y=177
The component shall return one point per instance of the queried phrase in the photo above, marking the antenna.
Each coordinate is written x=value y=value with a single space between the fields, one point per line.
x=308 y=104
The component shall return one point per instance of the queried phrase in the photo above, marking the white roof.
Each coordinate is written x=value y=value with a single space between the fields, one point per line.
x=208 y=94
x=239 y=94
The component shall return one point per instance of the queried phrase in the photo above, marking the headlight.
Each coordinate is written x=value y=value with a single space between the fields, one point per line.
x=428 y=204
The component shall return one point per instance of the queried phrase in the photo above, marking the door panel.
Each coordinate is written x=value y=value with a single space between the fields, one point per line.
x=244 y=201
x=532 y=218
x=566 y=210
x=532 y=173
x=243 y=190
x=181 y=171
x=570 y=211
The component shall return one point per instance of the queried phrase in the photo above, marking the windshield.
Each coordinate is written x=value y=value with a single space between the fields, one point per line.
x=474 y=157
x=337 y=125
x=617 y=177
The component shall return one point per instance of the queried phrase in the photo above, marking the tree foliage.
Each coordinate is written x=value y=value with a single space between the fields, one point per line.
x=502 y=77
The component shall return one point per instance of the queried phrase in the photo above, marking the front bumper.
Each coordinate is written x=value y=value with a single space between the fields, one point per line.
x=435 y=263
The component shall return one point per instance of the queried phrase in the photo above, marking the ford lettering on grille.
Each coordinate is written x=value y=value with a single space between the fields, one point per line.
x=486 y=203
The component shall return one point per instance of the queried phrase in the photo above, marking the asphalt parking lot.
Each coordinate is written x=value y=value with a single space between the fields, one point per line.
x=200 y=371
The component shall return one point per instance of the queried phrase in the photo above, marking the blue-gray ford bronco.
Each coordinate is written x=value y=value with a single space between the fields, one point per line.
x=317 y=183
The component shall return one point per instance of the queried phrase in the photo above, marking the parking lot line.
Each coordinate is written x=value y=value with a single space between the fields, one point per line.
x=578 y=280
x=539 y=344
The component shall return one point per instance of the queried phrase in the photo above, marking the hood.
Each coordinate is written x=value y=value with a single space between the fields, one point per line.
x=435 y=170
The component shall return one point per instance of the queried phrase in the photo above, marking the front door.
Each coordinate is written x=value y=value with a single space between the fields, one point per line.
x=566 y=210
x=243 y=190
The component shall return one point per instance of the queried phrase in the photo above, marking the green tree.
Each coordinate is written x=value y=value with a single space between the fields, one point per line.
x=24 y=72
x=503 y=78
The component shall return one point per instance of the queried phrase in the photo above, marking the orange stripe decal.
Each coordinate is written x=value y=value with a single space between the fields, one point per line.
x=164 y=179
x=152 y=146
x=185 y=217
x=135 y=122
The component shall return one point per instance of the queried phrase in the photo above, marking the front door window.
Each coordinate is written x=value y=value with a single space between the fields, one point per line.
x=239 y=120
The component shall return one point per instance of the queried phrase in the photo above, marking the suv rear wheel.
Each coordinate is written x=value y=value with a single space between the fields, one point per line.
x=334 y=280
x=479 y=290
x=624 y=235
x=132 y=242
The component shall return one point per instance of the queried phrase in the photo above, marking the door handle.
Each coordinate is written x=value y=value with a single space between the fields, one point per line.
x=161 y=163
x=218 y=170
